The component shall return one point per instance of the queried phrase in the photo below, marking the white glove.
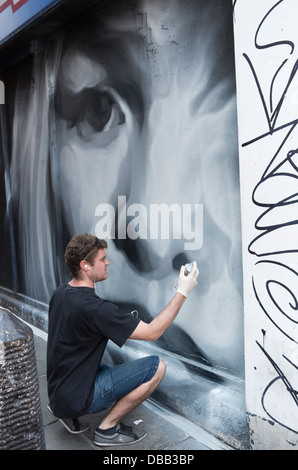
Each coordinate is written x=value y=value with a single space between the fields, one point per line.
x=187 y=283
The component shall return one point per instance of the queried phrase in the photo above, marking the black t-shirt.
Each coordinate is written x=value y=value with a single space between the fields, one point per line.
x=80 y=325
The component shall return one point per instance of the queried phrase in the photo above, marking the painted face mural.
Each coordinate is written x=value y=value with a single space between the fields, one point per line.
x=145 y=117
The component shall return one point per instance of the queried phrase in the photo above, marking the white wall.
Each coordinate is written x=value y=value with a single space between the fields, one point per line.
x=266 y=44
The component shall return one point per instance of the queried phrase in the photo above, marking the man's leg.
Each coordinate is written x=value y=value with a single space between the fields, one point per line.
x=133 y=399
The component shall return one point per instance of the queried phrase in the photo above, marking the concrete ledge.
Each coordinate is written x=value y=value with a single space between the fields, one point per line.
x=33 y=312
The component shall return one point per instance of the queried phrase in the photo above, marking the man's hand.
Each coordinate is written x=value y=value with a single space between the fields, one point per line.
x=153 y=330
x=187 y=283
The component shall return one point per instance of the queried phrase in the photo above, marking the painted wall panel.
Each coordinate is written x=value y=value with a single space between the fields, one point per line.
x=266 y=58
x=125 y=127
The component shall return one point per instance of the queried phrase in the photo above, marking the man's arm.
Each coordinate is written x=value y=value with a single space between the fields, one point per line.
x=153 y=330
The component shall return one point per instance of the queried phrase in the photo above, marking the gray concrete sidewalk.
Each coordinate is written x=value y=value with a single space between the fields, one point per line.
x=165 y=431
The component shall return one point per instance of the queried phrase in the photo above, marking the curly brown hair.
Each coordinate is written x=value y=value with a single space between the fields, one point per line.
x=82 y=247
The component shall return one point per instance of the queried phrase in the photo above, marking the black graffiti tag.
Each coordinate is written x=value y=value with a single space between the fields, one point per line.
x=279 y=301
x=277 y=226
x=287 y=387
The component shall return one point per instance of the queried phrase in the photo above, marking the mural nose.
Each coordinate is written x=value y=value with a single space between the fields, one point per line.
x=138 y=238
x=137 y=254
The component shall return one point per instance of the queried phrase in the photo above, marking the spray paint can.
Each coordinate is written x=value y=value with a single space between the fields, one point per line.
x=188 y=268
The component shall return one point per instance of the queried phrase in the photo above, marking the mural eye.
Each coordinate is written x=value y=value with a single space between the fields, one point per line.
x=98 y=112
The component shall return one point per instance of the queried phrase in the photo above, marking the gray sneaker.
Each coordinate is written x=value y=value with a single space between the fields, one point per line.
x=123 y=436
x=73 y=425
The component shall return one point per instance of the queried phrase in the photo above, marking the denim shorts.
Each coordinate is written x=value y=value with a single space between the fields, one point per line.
x=112 y=383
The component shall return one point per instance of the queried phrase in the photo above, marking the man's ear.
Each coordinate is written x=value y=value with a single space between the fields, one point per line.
x=83 y=265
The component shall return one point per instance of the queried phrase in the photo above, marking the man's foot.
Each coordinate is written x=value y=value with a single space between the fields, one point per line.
x=122 y=435
x=72 y=425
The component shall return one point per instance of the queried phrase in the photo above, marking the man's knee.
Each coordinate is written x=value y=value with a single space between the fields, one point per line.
x=161 y=370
